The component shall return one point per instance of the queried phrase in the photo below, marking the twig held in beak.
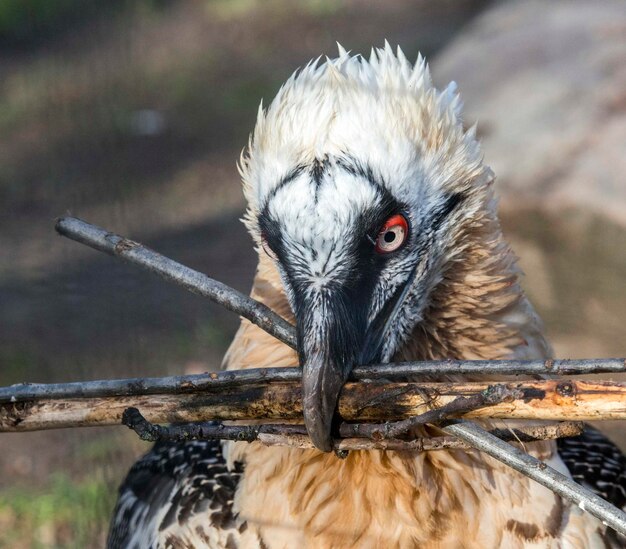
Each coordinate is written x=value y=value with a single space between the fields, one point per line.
x=494 y=394
x=295 y=436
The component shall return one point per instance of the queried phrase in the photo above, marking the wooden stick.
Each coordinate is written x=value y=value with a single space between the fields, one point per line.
x=401 y=371
x=296 y=436
x=170 y=270
x=537 y=470
x=492 y=395
x=359 y=401
x=429 y=444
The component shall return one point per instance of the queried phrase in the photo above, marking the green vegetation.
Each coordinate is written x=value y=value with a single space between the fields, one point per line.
x=65 y=514
x=16 y=363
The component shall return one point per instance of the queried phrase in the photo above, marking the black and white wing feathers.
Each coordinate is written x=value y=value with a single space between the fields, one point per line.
x=180 y=494
x=595 y=462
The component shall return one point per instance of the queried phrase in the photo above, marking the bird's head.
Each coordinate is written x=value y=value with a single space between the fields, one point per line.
x=359 y=179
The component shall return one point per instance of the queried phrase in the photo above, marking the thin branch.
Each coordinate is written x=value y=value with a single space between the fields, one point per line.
x=170 y=270
x=492 y=395
x=538 y=470
x=296 y=435
x=401 y=371
x=148 y=431
x=557 y=367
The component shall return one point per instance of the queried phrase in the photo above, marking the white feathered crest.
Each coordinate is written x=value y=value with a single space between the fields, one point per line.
x=384 y=111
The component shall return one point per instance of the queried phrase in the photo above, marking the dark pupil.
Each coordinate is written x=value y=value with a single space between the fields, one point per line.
x=390 y=236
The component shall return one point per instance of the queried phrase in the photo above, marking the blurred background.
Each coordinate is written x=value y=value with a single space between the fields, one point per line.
x=132 y=113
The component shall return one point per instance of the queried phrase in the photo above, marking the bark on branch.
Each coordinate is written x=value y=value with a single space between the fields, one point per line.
x=401 y=371
x=489 y=397
x=560 y=400
x=296 y=436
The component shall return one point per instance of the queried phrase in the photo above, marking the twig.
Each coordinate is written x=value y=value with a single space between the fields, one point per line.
x=170 y=270
x=435 y=368
x=363 y=401
x=226 y=379
x=296 y=435
x=273 y=324
x=135 y=421
x=492 y=395
x=537 y=470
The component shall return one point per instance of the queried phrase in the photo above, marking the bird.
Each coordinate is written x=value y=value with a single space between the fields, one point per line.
x=375 y=220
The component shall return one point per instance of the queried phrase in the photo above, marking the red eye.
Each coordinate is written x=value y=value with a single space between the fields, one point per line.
x=392 y=234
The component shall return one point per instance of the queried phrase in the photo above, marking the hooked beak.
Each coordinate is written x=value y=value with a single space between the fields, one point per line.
x=327 y=328
x=333 y=337
x=322 y=380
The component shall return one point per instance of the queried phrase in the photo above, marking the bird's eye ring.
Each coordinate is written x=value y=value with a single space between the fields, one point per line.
x=267 y=249
x=392 y=235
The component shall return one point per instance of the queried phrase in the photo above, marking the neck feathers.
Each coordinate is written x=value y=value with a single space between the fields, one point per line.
x=478 y=310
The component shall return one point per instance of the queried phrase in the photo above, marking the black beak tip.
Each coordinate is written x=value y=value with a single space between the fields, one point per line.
x=322 y=382
x=319 y=424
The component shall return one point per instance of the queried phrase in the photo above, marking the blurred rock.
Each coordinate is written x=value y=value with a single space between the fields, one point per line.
x=546 y=82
